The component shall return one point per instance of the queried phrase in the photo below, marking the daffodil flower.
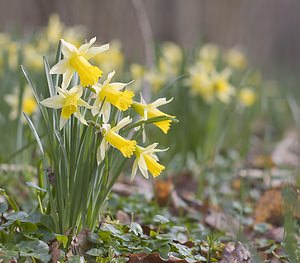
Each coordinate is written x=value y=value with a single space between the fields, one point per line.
x=147 y=160
x=110 y=93
x=69 y=101
x=111 y=137
x=224 y=90
x=29 y=105
x=246 y=97
x=148 y=111
x=77 y=60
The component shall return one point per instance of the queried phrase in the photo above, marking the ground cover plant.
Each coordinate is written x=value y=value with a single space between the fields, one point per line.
x=193 y=159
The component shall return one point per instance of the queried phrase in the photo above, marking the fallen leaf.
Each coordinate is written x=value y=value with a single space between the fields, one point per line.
x=236 y=253
x=269 y=207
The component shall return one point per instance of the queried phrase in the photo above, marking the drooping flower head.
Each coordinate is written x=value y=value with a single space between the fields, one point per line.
x=111 y=137
x=147 y=160
x=110 y=93
x=77 y=60
x=69 y=101
x=148 y=111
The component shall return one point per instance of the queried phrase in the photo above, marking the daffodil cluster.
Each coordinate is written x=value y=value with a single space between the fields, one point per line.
x=102 y=99
x=169 y=66
x=211 y=75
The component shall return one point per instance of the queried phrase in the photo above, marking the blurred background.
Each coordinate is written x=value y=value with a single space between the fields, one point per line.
x=267 y=30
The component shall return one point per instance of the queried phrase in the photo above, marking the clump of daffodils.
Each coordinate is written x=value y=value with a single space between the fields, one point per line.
x=97 y=102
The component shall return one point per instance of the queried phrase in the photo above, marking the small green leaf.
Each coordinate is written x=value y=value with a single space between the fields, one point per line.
x=3 y=207
x=36 y=187
x=62 y=239
x=20 y=215
x=35 y=134
x=160 y=219
x=136 y=229
x=96 y=252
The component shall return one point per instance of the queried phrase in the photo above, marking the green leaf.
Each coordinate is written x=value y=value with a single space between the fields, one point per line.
x=3 y=207
x=160 y=219
x=20 y=215
x=37 y=249
x=51 y=87
x=136 y=229
x=28 y=227
x=36 y=187
x=96 y=252
x=10 y=200
x=35 y=134
x=62 y=239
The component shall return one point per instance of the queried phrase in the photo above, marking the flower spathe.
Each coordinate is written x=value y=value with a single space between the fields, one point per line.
x=146 y=160
x=111 y=137
x=110 y=93
x=148 y=111
x=77 y=60
x=69 y=101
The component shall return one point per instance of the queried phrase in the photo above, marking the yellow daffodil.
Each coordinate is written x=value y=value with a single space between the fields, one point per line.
x=77 y=60
x=224 y=90
x=147 y=160
x=54 y=29
x=209 y=52
x=148 y=111
x=29 y=105
x=69 y=101
x=172 y=52
x=200 y=82
x=110 y=93
x=170 y=61
x=137 y=73
x=236 y=59
x=111 y=137
x=156 y=79
x=112 y=59
x=247 y=97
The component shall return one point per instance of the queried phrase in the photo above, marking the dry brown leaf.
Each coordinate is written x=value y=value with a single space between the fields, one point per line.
x=269 y=207
x=287 y=151
x=54 y=251
x=236 y=253
x=163 y=190
x=223 y=222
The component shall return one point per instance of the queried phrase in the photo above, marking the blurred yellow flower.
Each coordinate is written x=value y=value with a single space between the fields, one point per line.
x=54 y=29
x=247 y=97
x=32 y=59
x=236 y=59
x=110 y=93
x=209 y=52
x=111 y=137
x=77 y=60
x=68 y=101
x=220 y=82
x=111 y=59
x=148 y=111
x=155 y=79
x=13 y=55
x=200 y=82
x=29 y=105
x=147 y=160
x=170 y=61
